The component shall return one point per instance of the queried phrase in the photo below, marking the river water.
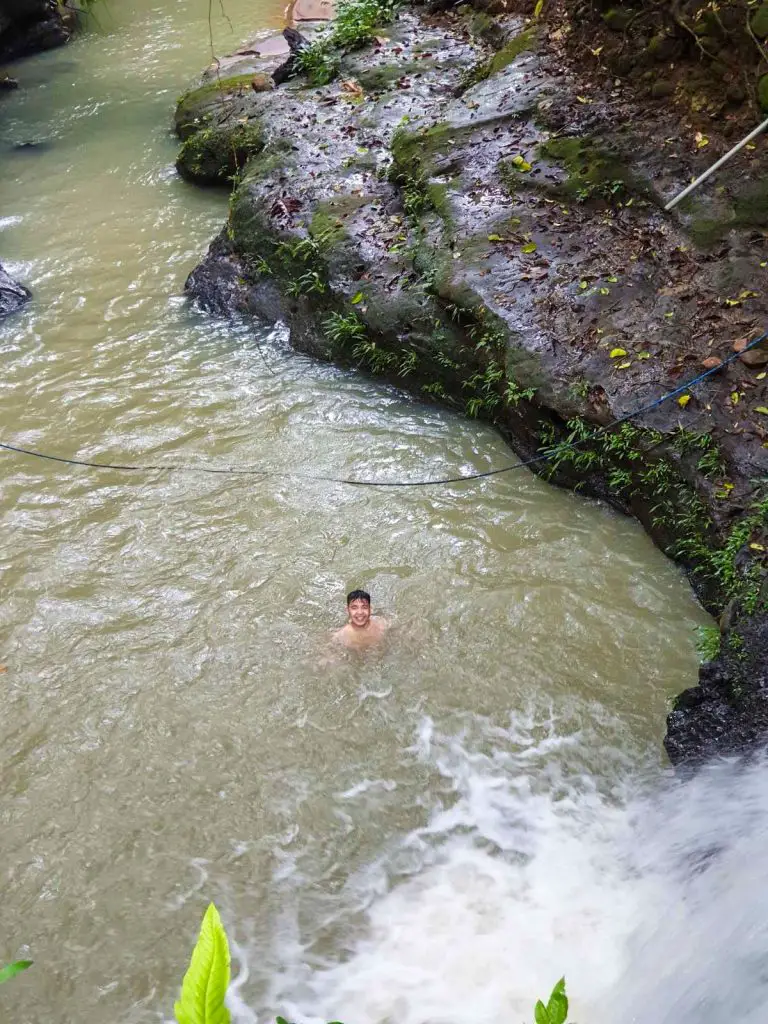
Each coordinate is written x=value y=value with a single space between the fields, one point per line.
x=434 y=832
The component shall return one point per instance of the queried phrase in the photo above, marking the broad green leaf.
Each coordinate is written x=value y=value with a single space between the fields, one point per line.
x=521 y=163
x=538 y=8
x=530 y=247
x=540 y=1013
x=11 y=970
x=616 y=352
x=205 y=983
x=495 y=238
x=683 y=400
x=557 y=1007
x=762 y=409
x=357 y=298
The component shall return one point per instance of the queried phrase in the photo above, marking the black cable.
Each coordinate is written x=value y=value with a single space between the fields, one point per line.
x=352 y=482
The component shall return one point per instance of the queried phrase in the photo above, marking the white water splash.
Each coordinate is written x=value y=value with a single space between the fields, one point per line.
x=654 y=906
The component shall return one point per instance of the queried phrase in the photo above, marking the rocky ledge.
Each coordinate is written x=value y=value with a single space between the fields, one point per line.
x=12 y=294
x=29 y=26
x=466 y=208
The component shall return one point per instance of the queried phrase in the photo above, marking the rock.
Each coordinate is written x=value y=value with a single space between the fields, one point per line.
x=663 y=47
x=759 y=22
x=12 y=294
x=215 y=154
x=311 y=10
x=757 y=356
x=662 y=88
x=29 y=26
x=727 y=713
x=7 y=83
x=275 y=46
x=618 y=18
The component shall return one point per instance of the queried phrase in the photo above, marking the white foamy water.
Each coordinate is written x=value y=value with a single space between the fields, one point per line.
x=651 y=899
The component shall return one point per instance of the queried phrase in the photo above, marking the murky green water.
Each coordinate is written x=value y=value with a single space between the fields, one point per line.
x=171 y=731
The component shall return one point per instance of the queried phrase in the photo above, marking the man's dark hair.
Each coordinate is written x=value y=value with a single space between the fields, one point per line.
x=358 y=595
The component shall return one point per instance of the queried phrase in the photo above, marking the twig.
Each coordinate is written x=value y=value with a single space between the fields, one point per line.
x=679 y=20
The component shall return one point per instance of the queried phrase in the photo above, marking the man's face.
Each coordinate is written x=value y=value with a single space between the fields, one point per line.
x=359 y=612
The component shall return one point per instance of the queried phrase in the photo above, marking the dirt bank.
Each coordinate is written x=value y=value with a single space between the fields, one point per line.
x=471 y=209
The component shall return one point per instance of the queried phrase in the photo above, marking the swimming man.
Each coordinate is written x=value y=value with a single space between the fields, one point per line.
x=362 y=630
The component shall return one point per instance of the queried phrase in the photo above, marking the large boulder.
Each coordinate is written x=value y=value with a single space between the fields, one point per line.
x=727 y=713
x=29 y=26
x=12 y=294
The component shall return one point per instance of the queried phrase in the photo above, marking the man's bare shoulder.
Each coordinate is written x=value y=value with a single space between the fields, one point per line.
x=351 y=637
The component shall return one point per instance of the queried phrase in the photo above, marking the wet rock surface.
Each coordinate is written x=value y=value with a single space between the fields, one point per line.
x=12 y=294
x=478 y=223
x=29 y=26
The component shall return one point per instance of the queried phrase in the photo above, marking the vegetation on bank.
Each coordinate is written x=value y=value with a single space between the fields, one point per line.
x=354 y=26
x=204 y=988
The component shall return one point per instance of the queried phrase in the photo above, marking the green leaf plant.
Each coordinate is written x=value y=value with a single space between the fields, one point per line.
x=11 y=970
x=556 y=1010
x=205 y=983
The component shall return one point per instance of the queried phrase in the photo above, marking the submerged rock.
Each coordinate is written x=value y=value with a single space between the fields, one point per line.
x=12 y=294
x=487 y=229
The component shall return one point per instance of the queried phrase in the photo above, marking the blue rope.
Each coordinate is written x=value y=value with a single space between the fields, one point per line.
x=353 y=482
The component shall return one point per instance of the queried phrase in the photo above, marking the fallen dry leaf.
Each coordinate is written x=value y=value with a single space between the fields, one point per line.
x=352 y=87
x=711 y=362
x=739 y=345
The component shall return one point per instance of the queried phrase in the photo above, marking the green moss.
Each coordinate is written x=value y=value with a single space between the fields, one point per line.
x=196 y=105
x=328 y=218
x=416 y=160
x=483 y=26
x=216 y=155
x=384 y=77
x=588 y=172
x=760 y=21
x=501 y=59
x=709 y=219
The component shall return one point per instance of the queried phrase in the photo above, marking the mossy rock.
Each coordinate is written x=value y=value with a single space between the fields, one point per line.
x=618 y=18
x=759 y=21
x=213 y=156
x=590 y=172
x=198 y=106
x=501 y=59
x=384 y=77
x=708 y=219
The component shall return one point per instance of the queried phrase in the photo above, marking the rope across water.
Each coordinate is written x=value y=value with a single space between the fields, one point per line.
x=180 y=467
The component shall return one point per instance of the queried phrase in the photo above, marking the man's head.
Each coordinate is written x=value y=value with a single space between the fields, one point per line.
x=359 y=608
